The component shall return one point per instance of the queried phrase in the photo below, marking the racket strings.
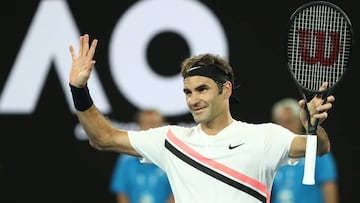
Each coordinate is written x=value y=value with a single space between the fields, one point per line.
x=318 y=46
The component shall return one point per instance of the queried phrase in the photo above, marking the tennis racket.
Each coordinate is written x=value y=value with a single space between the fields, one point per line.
x=319 y=43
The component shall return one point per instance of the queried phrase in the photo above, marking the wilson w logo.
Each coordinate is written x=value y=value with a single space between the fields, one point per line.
x=318 y=47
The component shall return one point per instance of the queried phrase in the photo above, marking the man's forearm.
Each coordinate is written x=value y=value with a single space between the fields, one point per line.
x=323 y=143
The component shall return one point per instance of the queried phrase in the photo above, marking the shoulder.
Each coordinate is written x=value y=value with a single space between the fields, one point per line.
x=267 y=128
x=182 y=130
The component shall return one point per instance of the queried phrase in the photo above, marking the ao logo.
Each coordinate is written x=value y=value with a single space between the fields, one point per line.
x=53 y=29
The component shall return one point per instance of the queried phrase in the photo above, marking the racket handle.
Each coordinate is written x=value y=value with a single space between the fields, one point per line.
x=310 y=158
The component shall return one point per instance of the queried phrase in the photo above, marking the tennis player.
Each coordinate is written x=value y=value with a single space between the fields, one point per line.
x=220 y=159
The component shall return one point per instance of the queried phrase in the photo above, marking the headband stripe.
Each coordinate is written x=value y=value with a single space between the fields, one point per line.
x=209 y=71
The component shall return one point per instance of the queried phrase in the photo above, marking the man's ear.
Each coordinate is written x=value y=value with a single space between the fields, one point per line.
x=228 y=88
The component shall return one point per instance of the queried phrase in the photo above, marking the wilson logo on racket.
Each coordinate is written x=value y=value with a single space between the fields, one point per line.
x=325 y=45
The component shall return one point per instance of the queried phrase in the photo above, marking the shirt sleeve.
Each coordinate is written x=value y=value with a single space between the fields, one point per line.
x=278 y=142
x=150 y=144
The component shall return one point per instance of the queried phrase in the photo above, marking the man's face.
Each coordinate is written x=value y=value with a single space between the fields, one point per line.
x=203 y=98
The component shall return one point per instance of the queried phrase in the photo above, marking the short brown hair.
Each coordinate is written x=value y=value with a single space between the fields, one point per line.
x=205 y=60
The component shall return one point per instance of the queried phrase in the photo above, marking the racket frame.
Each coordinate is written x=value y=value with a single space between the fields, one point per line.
x=306 y=93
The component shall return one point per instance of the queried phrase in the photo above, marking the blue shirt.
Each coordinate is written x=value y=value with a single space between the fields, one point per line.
x=140 y=182
x=288 y=187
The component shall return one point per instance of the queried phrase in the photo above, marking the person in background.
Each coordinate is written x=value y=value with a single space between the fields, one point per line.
x=287 y=186
x=136 y=182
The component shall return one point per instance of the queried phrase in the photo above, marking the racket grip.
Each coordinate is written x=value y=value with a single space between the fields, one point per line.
x=310 y=159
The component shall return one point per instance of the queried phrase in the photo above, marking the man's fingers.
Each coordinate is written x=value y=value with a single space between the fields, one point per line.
x=85 y=45
x=91 y=51
x=321 y=116
x=72 y=52
x=80 y=45
x=330 y=99
x=324 y=86
x=324 y=107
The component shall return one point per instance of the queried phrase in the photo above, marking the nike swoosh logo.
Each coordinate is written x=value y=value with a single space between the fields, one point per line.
x=234 y=146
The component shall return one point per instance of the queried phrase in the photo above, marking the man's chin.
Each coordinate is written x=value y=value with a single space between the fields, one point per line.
x=198 y=119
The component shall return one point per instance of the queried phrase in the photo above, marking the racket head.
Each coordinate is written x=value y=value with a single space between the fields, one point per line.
x=319 y=45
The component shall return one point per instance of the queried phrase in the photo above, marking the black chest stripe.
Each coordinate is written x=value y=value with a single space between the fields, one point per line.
x=213 y=173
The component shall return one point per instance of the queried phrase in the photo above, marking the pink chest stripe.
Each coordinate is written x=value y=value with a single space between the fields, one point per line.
x=246 y=179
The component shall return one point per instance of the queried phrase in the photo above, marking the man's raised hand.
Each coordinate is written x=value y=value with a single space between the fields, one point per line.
x=83 y=62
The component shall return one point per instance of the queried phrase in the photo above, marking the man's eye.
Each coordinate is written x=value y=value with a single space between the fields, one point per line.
x=202 y=89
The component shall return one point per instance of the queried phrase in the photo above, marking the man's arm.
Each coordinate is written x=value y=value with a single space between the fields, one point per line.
x=317 y=110
x=171 y=199
x=330 y=192
x=102 y=134
x=298 y=145
x=122 y=198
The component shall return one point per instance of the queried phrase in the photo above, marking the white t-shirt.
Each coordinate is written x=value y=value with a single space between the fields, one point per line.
x=236 y=165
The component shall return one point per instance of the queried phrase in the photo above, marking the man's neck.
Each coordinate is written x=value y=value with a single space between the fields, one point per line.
x=215 y=126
